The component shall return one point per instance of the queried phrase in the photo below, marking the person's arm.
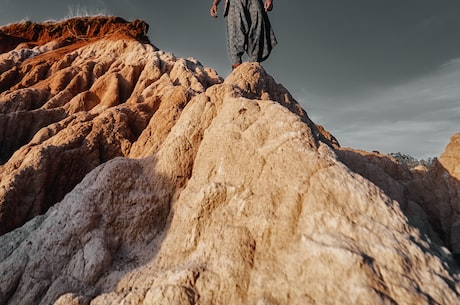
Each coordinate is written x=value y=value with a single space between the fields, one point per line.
x=213 y=10
x=268 y=5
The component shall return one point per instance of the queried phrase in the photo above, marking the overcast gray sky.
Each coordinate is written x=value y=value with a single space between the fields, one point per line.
x=378 y=74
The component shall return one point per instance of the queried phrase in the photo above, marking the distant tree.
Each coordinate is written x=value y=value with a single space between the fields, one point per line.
x=410 y=161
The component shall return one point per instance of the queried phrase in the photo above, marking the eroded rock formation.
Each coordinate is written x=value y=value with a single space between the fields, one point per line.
x=75 y=107
x=130 y=176
x=430 y=198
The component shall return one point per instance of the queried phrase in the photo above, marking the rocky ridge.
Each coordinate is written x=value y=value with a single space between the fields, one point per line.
x=130 y=176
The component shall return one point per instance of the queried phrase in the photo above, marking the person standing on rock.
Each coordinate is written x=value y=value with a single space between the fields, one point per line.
x=248 y=29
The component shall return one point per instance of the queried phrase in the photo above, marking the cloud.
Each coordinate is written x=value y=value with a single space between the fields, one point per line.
x=417 y=117
x=441 y=19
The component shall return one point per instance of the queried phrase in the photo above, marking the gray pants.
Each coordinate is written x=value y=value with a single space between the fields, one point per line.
x=248 y=30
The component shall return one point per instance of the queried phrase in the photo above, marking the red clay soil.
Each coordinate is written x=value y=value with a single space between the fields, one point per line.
x=8 y=43
x=69 y=31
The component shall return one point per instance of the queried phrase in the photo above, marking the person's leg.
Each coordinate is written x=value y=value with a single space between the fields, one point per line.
x=237 y=27
x=261 y=38
x=255 y=9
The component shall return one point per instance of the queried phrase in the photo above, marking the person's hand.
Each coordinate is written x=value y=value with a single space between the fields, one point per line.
x=213 y=10
x=268 y=5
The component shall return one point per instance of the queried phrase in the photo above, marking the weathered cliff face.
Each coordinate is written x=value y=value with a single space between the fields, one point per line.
x=430 y=198
x=130 y=176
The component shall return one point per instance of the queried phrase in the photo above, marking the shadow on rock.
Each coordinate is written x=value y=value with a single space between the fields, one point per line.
x=107 y=226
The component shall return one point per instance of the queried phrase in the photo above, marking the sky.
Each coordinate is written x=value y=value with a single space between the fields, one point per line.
x=378 y=74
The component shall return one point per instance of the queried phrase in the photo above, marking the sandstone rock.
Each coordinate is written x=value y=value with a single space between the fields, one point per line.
x=429 y=198
x=88 y=107
x=156 y=182
x=450 y=159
